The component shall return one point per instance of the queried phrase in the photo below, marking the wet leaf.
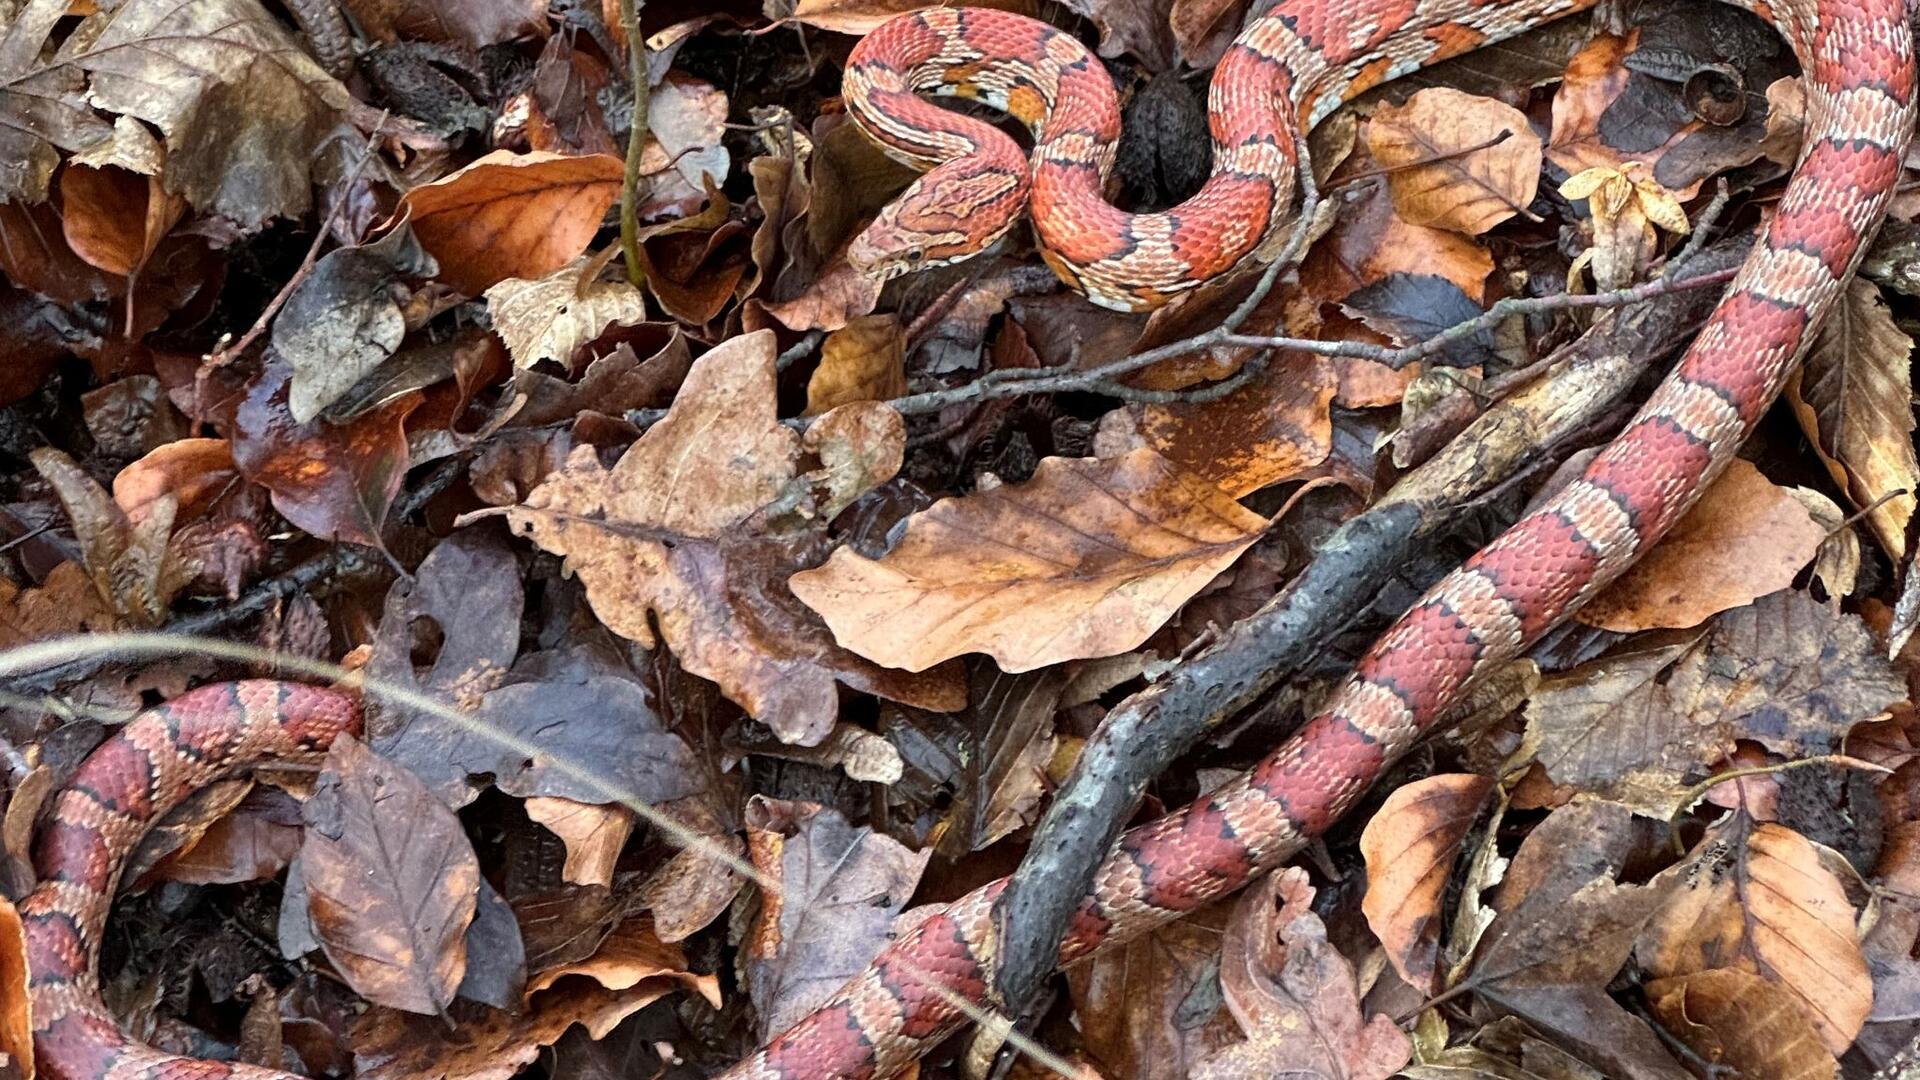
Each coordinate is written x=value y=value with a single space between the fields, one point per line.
x=512 y=215
x=1444 y=172
x=1853 y=397
x=1758 y=897
x=334 y=481
x=1745 y=538
x=1410 y=844
x=391 y=881
x=1086 y=559
x=115 y=218
x=839 y=888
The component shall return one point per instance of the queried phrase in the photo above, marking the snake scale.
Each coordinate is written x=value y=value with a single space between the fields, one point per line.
x=1296 y=63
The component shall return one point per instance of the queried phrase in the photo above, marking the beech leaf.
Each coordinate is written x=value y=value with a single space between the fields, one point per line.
x=1087 y=559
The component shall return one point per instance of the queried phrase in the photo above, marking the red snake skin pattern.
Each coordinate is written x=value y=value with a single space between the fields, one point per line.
x=123 y=788
x=1858 y=63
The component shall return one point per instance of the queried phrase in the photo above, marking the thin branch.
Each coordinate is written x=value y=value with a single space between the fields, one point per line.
x=637 y=130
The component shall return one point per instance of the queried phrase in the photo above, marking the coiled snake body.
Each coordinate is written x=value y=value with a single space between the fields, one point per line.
x=1857 y=58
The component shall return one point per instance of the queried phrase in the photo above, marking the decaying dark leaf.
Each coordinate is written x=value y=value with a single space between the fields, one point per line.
x=390 y=880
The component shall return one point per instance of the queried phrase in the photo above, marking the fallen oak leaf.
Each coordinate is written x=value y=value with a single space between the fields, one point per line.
x=663 y=535
x=1295 y=995
x=1087 y=559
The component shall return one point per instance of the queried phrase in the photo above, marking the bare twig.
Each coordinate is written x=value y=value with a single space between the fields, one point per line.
x=637 y=131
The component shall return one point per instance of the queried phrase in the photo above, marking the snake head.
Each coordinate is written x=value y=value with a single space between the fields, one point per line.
x=952 y=213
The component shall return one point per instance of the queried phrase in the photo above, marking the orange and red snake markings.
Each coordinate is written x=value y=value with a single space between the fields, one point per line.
x=119 y=777
x=74 y=852
x=944 y=958
x=1538 y=564
x=1181 y=869
x=1819 y=219
x=55 y=950
x=1313 y=789
x=77 y=1046
x=126 y=784
x=832 y=1034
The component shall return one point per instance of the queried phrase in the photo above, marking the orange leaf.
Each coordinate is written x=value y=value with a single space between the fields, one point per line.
x=1448 y=172
x=512 y=215
x=1409 y=847
x=1086 y=559
x=1737 y=1019
x=1747 y=537
x=1760 y=898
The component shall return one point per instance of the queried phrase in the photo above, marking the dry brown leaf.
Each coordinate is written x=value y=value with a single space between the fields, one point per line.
x=663 y=534
x=244 y=109
x=839 y=887
x=1295 y=995
x=1854 y=399
x=630 y=955
x=1564 y=929
x=65 y=603
x=1443 y=172
x=1629 y=208
x=1087 y=559
x=1270 y=431
x=193 y=471
x=862 y=361
x=550 y=318
x=1642 y=724
x=133 y=566
x=1736 y=1019
x=1409 y=845
x=512 y=215
x=494 y=1044
x=1151 y=1008
x=1746 y=537
x=114 y=218
x=16 y=1019
x=594 y=835
x=1760 y=898
x=391 y=881
x=861 y=445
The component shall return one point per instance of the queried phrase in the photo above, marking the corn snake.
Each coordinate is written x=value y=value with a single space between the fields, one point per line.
x=1315 y=53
